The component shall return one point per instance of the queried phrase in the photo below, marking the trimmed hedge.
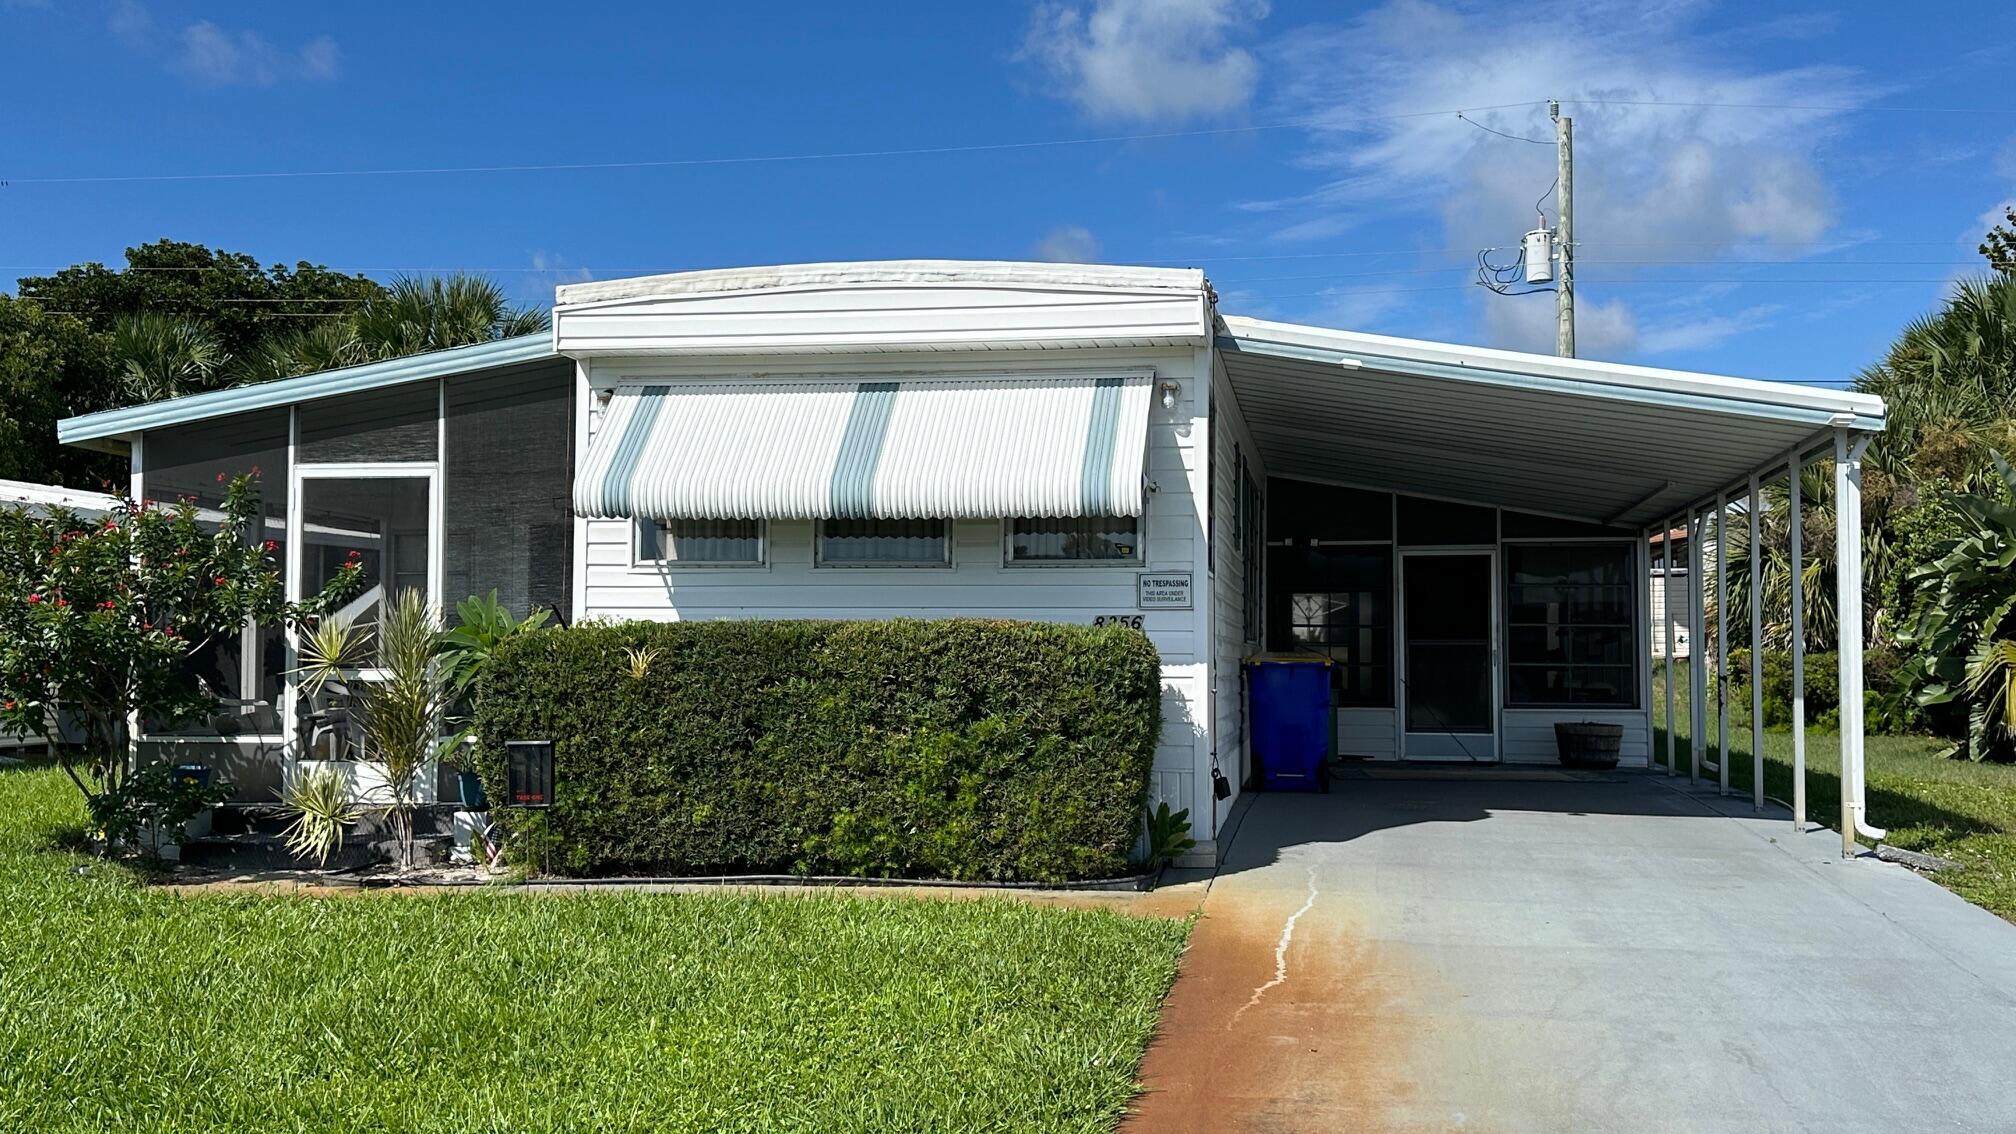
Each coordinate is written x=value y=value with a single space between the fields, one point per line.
x=959 y=748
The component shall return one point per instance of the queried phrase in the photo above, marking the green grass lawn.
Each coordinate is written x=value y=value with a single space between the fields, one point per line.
x=129 y=1007
x=1953 y=808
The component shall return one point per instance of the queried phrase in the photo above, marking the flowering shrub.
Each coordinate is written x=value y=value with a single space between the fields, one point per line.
x=98 y=616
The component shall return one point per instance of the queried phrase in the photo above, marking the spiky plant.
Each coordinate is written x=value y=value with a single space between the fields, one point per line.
x=404 y=709
x=322 y=810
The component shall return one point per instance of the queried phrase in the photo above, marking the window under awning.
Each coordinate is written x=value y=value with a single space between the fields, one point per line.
x=959 y=448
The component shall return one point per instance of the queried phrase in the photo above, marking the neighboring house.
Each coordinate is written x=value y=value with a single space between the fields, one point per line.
x=1463 y=531
x=1670 y=604
x=40 y=499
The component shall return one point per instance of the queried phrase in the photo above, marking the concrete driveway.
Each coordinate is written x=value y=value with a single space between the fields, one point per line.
x=1415 y=952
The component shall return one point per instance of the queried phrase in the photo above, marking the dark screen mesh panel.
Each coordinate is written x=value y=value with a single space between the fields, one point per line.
x=510 y=521
x=200 y=461
x=1301 y=510
x=398 y=423
x=1431 y=523
x=1526 y=525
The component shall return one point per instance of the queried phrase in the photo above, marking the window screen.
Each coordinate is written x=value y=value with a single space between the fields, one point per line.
x=1570 y=623
x=380 y=523
x=1439 y=523
x=902 y=543
x=701 y=542
x=398 y=423
x=1075 y=539
x=507 y=519
x=198 y=462
x=1303 y=510
x=1338 y=602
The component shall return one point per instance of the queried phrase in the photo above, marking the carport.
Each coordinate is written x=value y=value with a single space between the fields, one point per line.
x=1562 y=453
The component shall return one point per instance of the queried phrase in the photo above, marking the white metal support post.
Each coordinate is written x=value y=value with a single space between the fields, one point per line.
x=1756 y=650
x=1797 y=533
x=1722 y=643
x=1848 y=601
x=1666 y=616
x=1697 y=657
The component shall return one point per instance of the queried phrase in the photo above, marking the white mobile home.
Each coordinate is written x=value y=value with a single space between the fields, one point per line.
x=1463 y=531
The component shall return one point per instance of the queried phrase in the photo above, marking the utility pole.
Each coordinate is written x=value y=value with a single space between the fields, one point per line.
x=1564 y=239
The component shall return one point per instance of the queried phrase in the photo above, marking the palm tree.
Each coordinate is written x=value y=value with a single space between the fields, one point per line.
x=164 y=356
x=1950 y=384
x=415 y=315
x=328 y=345
x=1819 y=613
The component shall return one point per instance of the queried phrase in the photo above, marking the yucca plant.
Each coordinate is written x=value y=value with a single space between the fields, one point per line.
x=323 y=810
x=405 y=709
x=328 y=648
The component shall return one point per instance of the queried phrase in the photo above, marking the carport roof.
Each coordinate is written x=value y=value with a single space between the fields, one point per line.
x=1588 y=440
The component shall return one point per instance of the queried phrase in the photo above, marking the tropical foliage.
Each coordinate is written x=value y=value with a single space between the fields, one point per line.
x=1963 y=631
x=402 y=706
x=99 y=618
x=181 y=318
x=1950 y=384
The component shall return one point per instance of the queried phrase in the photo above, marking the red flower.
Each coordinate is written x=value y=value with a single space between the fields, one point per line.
x=110 y=524
x=108 y=604
x=220 y=478
x=62 y=602
x=8 y=706
x=34 y=598
x=220 y=580
x=356 y=554
x=255 y=470
x=271 y=546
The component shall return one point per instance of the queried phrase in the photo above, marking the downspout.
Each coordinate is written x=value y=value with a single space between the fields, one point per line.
x=1848 y=585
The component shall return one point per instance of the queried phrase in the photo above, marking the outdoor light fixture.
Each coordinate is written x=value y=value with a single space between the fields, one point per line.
x=1169 y=390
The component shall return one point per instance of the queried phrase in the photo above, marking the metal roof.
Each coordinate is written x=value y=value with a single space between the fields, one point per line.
x=110 y=424
x=869 y=273
x=1568 y=437
x=1055 y=444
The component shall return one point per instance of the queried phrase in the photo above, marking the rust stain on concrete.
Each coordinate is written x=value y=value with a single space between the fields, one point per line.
x=1317 y=1042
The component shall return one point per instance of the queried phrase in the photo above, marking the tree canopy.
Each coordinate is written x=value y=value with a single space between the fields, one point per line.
x=181 y=318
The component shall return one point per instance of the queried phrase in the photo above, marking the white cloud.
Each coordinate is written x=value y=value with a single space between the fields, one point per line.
x=1149 y=59
x=1705 y=331
x=1527 y=323
x=1067 y=244
x=219 y=56
x=1652 y=182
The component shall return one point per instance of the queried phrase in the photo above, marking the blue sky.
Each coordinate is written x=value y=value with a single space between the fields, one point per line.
x=1790 y=238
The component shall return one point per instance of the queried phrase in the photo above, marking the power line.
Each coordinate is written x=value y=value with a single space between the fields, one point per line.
x=754 y=159
x=1791 y=106
x=1503 y=134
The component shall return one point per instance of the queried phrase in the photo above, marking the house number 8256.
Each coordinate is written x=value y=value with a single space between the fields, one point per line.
x=1129 y=620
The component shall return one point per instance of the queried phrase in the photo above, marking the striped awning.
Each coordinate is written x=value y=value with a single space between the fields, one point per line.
x=964 y=448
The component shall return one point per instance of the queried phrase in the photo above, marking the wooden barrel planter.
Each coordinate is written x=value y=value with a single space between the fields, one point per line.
x=1587 y=744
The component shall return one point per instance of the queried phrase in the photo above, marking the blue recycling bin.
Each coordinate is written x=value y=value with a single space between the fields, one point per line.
x=1291 y=733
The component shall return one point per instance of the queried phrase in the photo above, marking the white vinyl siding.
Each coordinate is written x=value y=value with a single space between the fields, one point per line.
x=1234 y=637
